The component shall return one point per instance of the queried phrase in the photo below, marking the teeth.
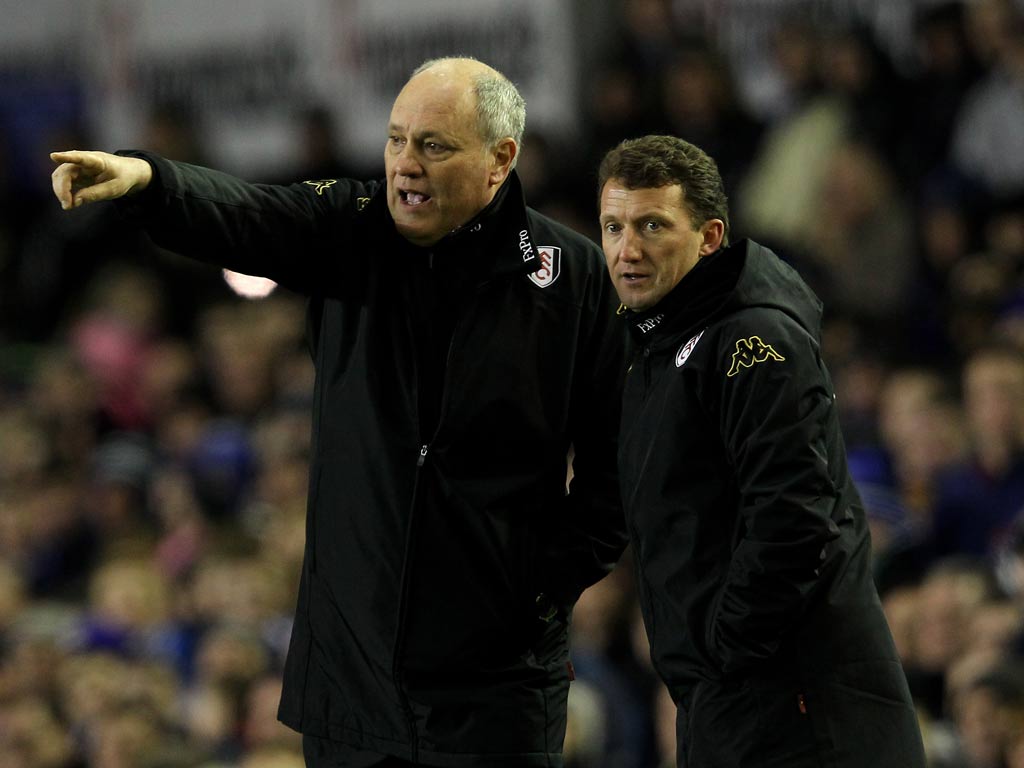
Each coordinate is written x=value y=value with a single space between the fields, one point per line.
x=415 y=198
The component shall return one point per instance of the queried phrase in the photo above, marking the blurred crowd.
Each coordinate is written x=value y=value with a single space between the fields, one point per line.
x=155 y=425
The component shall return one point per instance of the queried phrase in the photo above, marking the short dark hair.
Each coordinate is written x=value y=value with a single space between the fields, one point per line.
x=661 y=161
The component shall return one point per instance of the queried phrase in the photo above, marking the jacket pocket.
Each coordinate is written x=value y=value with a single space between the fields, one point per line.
x=750 y=723
x=870 y=718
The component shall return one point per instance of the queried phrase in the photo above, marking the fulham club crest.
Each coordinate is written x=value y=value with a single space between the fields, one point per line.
x=550 y=266
x=686 y=349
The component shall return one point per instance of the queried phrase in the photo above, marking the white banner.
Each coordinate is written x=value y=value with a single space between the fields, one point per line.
x=238 y=67
x=247 y=68
x=373 y=46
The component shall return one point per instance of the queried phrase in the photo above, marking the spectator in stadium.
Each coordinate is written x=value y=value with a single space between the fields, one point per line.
x=987 y=710
x=987 y=145
x=861 y=241
x=463 y=343
x=979 y=497
x=699 y=103
x=947 y=68
x=752 y=543
x=920 y=424
x=945 y=604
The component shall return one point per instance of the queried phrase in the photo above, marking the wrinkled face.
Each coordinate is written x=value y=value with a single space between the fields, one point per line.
x=650 y=241
x=439 y=172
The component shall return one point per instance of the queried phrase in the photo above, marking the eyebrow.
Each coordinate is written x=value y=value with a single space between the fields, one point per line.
x=425 y=135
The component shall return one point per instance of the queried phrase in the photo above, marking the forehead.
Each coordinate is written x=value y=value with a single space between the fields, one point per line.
x=618 y=199
x=436 y=103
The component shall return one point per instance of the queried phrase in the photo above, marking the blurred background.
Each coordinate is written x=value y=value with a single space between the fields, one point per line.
x=154 y=424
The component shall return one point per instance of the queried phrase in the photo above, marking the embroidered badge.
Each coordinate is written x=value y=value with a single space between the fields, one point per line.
x=750 y=351
x=550 y=266
x=686 y=349
x=321 y=185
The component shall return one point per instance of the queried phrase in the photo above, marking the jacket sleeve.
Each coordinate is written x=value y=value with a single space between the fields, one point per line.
x=777 y=424
x=274 y=231
x=593 y=535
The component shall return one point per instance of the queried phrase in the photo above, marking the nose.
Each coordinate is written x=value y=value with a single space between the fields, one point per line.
x=631 y=250
x=407 y=164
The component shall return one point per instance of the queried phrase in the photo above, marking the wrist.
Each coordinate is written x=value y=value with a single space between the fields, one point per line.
x=142 y=175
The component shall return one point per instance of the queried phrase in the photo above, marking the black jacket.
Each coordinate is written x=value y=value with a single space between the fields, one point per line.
x=450 y=384
x=751 y=543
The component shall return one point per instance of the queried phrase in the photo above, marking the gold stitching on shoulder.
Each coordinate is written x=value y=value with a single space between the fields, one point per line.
x=321 y=185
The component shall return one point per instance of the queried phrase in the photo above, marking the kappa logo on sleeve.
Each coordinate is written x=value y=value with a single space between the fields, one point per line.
x=321 y=185
x=750 y=351
x=550 y=266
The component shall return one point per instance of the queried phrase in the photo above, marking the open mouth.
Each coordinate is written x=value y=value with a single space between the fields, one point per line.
x=412 y=199
x=632 y=277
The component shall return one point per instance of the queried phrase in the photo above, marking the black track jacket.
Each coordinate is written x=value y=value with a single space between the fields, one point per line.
x=450 y=384
x=750 y=541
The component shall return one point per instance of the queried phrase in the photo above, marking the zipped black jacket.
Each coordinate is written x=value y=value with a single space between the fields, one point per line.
x=450 y=384
x=750 y=540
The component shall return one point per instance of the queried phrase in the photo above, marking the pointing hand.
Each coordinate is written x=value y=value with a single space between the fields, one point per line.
x=88 y=177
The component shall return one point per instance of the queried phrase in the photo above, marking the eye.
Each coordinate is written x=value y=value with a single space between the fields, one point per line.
x=612 y=227
x=434 y=148
x=651 y=225
x=395 y=141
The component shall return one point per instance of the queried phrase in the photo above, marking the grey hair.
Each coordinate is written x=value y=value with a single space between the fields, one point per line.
x=500 y=109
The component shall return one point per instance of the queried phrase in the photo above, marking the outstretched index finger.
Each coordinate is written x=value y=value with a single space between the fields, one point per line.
x=88 y=161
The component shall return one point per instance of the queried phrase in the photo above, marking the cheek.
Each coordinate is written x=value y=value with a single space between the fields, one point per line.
x=468 y=194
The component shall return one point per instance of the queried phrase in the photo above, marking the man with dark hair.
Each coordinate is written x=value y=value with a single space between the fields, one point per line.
x=751 y=543
x=463 y=343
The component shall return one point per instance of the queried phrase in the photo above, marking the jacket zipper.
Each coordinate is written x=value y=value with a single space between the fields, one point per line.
x=397 y=674
x=403 y=599
x=403 y=604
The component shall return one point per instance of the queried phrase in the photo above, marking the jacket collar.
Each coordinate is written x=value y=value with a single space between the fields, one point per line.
x=694 y=300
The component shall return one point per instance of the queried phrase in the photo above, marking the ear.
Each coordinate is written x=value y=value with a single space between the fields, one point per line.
x=713 y=230
x=502 y=155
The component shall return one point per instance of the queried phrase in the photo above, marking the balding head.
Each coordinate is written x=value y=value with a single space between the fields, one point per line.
x=500 y=110
x=457 y=66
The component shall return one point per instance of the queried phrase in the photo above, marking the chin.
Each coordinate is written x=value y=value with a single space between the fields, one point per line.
x=634 y=302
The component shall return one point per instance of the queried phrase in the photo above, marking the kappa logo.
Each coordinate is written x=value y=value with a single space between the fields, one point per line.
x=750 y=351
x=550 y=266
x=321 y=185
x=686 y=349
